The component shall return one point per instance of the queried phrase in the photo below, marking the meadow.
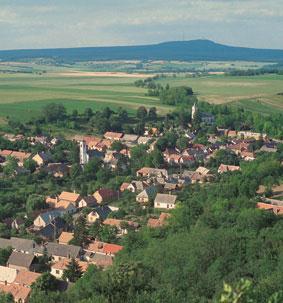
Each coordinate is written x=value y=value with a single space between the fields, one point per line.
x=22 y=95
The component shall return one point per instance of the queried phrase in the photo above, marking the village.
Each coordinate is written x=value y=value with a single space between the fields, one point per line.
x=58 y=240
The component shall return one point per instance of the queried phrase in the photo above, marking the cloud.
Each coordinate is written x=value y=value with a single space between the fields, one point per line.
x=52 y=23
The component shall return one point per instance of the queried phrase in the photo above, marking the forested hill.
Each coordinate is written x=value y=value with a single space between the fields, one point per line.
x=178 y=50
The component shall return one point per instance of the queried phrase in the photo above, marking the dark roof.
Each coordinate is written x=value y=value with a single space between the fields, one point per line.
x=20 y=259
x=61 y=250
x=103 y=212
x=49 y=230
x=24 y=245
x=49 y=216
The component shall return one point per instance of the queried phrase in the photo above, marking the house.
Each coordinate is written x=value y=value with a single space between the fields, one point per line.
x=121 y=225
x=88 y=201
x=20 y=261
x=124 y=186
x=58 y=268
x=65 y=238
x=17 y=223
x=57 y=170
x=269 y=148
x=165 y=201
x=41 y=158
x=152 y=172
x=276 y=209
x=100 y=213
x=161 y=221
x=65 y=207
x=70 y=197
x=26 y=278
x=113 y=136
x=20 y=156
x=46 y=218
x=103 y=248
x=170 y=187
x=24 y=246
x=227 y=168
x=248 y=156
x=7 y=275
x=137 y=186
x=130 y=140
x=52 y=230
x=20 y=293
x=147 y=195
x=143 y=140
x=250 y=134
x=105 y=195
x=231 y=133
x=90 y=141
x=60 y=251
x=101 y=260
x=103 y=145
x=5 y=153
x=203 y=171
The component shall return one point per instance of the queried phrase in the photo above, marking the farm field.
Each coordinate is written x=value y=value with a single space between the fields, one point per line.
x=23 y=95
x=255 y=93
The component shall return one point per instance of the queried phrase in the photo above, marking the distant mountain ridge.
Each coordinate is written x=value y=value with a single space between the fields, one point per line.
x=202 y=50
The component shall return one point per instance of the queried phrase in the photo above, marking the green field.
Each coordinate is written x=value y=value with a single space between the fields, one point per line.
x=23 y=95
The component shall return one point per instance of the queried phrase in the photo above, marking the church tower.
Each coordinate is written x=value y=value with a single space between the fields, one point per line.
x=83 y=153
x=194 y=111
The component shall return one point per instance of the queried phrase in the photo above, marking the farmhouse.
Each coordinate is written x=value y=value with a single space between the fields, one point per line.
x=20 y=261
x=227 y=168
x=165 y=201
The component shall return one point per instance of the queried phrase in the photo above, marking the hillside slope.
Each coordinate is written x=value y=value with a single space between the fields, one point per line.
x=178 y=50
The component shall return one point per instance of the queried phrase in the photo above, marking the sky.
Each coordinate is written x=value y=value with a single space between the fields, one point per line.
x=26 y=24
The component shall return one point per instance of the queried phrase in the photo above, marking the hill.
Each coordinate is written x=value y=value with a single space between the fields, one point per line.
x=178 y=50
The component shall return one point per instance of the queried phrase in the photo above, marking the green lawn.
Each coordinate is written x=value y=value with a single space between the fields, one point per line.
x=23 y=95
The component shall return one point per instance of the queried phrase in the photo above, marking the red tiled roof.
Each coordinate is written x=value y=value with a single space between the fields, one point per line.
x=113 y=135
x=111 y=248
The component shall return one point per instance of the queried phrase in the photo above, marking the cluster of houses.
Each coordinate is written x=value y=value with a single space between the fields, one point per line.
x=91 y=146
x=274 y=204
x=22 y=267
x=153 y=187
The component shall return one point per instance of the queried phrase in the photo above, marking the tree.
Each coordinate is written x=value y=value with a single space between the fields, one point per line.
x=141 y=113
x=10 y=166
x=35 y=202
x=108 y=234
x=43 y=261
x=91 y=168
x=88 y=113
x=94 y=229
x=152 y=115
x=46 y=282
x=4 y=255
x=4 y=231
x=30 y=165
x=6 y=298
x=182 y=143
x=80 y=232
x=177 y=95
x=54 y=112
x=73 y=271
x=117 y=146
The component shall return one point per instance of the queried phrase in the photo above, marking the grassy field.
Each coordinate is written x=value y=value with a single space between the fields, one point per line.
x=257 y=93
x=23 y=95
